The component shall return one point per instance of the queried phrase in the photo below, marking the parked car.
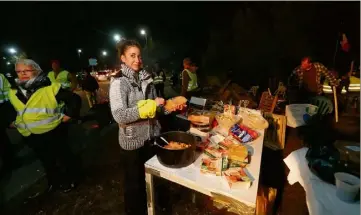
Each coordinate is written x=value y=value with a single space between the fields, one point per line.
x=102 y=75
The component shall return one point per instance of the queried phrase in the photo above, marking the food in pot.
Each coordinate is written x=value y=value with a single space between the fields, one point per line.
x=176 y=145
x=171 y=104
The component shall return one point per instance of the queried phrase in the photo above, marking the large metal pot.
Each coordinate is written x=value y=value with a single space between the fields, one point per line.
x=179 y=157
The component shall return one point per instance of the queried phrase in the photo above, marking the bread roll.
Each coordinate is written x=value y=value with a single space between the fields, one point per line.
x=174 y=102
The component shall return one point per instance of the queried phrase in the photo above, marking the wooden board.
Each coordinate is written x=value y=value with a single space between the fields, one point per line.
x=267 y=102
x=275 y=134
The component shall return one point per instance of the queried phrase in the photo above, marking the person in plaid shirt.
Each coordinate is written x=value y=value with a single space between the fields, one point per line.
x=309 y=75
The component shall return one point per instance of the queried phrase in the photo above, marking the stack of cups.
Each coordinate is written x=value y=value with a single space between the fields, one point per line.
x=347 y=186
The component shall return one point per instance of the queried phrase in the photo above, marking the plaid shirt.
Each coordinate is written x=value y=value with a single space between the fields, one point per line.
x=321 y=71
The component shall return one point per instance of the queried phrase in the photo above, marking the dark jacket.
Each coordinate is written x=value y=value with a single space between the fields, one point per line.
x=90 y=84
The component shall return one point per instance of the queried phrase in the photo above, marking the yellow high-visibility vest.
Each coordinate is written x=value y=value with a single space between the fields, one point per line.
x=62 y=78
x=4 y=89
x=193 y=82
x=158 y=79
x=354 y=86
x=40 y=114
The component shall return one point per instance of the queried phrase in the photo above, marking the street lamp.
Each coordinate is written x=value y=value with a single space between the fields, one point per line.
x=12 y=50
x=104 y=53
x=117 y=37
x=8 y=63
x=144 y=33
x=79 y=51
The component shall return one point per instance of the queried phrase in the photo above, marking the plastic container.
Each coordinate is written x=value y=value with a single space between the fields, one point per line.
x=347 y=186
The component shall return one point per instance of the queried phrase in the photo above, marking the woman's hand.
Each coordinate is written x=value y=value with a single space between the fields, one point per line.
x=178 y=107
x=159 y=101
x=181 y=106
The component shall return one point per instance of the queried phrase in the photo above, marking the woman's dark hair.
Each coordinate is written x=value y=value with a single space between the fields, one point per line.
x=122 y=46
x=125 y=44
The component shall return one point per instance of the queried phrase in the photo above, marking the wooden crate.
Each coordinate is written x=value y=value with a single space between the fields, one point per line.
x=275 y=134
x=267 y=102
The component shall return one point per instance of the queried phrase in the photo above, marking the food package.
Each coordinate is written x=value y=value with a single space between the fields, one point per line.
x=253 y=119
x=224 y=131
x=243 y=133
x=228 y=142
x=236 y=163
x=227 y=120
x=238 y=156
x=174 y=102
x=214 y=152
x=237 y=178
x=211 y=165
x=229 y=109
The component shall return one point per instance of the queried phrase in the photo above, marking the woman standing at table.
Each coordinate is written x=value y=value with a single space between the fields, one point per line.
x=134 y=105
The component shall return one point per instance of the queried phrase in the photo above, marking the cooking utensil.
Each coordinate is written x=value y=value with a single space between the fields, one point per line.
x=164 y=140
x=176 y=158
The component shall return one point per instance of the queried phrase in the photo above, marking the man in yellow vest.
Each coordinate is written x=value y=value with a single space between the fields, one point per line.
x=189 y=78
x=6 y=115
x=65 y=78
x=158 y=80
x=41 y=123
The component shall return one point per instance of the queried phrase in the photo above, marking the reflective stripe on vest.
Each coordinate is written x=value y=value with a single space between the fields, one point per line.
x=158 y=80
x=327 y=89
x=193 y=82
x=62 y=78
x=353 y=87
x=40 y=114
x=39 y=110
x=37 y=123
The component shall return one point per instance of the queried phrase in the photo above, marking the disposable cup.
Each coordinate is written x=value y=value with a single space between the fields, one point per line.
x=347 y=186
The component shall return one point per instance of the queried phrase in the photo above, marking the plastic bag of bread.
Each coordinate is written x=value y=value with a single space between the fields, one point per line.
x=172 y=103
x=238 y=156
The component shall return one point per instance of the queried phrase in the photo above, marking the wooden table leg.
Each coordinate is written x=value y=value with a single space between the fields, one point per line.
x=150 y=193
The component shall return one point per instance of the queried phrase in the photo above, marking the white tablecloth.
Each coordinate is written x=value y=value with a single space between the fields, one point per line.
x=321 y=197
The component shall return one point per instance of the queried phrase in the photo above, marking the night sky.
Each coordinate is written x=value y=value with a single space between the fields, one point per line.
x=47 y=30
x=55 y=30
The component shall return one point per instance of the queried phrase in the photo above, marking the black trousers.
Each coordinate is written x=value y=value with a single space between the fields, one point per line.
x=160 y=90
x=135 y=197
x=52 y=148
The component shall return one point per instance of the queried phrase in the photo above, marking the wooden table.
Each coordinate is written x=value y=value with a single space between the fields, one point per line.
x=210 y=185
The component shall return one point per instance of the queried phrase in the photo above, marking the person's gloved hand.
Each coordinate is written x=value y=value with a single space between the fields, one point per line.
x=147 y=108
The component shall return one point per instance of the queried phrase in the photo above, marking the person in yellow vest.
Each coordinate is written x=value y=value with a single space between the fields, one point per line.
x=158 y=80
x=65 y=78
x=42 y=125
x=6 y=115
x=189 y=78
